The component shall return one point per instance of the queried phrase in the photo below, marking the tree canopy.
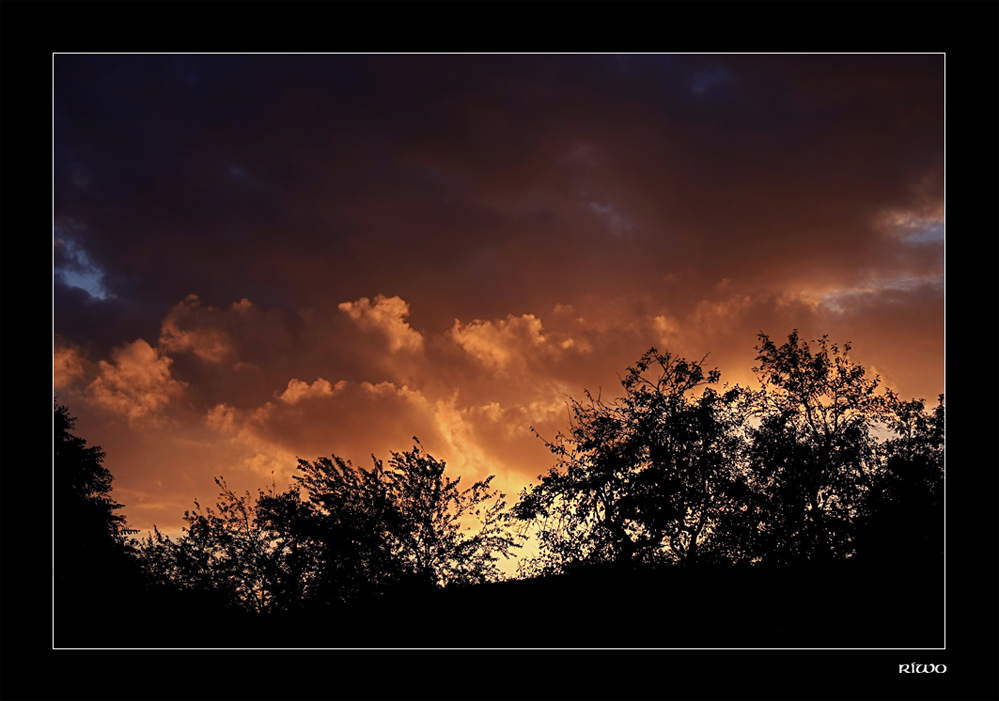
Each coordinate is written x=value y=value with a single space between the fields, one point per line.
x=678 y=472
x=83 y=490
x=645 y=478
x=355 y=533
x=92 y=557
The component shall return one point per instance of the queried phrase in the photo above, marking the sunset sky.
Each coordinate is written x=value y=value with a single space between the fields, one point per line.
x=259 y=258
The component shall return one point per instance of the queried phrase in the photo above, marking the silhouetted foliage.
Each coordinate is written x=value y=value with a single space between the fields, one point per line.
x=798 y=493
x=228 y=552
x=407 y=523
x=359 y=533
x=812 y=453
x=93 y=561
x=83 y=491
x=646 y=478
x=904 y=515
x=787 y=474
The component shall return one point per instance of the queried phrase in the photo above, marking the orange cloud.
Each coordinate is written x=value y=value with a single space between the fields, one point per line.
x=137 y=385
x=668 y=328
x=512 y=343
x=387 y=315
x=67 y=366
x=298 y=390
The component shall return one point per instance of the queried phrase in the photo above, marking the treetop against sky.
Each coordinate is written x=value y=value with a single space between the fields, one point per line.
x=264 y=258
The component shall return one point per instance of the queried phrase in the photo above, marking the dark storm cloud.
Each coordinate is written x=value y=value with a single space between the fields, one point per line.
x=291 y=179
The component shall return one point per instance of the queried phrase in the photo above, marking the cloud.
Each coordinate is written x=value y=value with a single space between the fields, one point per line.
x=307 y=414
x=67 y=366
x=877 y=292
x=913 y=226
x=456 y=427
x=191 y=327
x=351 y=420
x=222 y=418
x=251 y=452
x=356 y=419
x=499 y=344
x=614 y=219
x=386 y=315
x=73 y=266
x=669 y=329
x=510 y=343
x=298 y=390
x=137 y=385
x=714 y=318
x=880 y=291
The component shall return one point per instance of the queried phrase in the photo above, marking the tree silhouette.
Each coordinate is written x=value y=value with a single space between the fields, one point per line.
x=813 y=453
x=785 y=478
x=904 y=516
x=358 y=533
x=93 y=562
x=406 y=523
x=646 y=478
x=228 y=553
x=649 y=492
x=789 y=473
